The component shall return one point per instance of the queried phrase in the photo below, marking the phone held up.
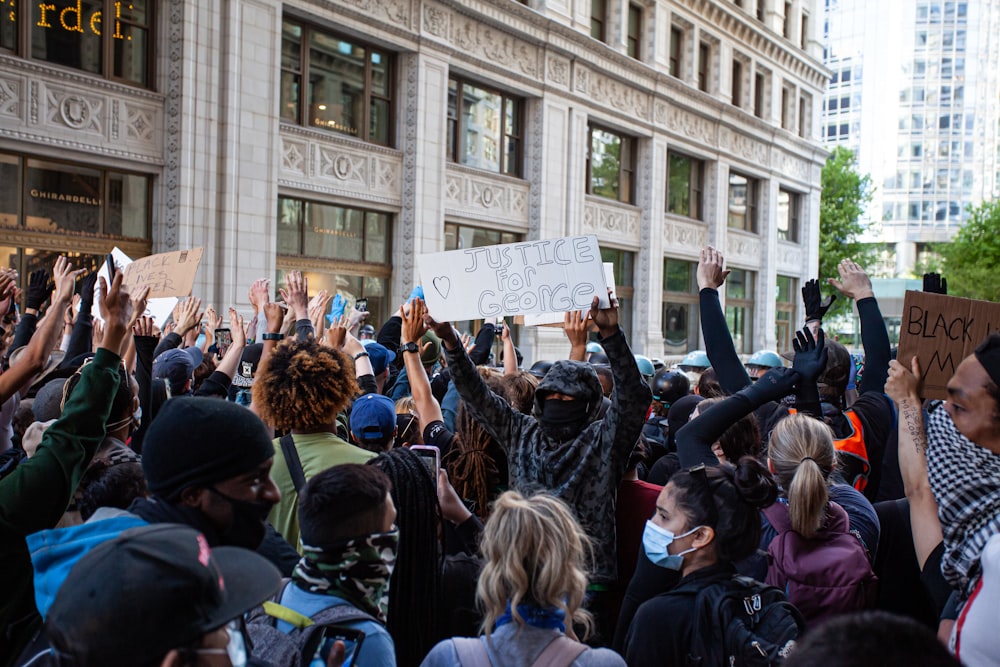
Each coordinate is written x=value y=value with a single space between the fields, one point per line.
x=109 y=261
x=333 y=633
x=361 y=304
x=223 y=339
x=430 y=456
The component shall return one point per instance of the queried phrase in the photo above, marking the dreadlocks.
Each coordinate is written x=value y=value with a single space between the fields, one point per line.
x=414 y=617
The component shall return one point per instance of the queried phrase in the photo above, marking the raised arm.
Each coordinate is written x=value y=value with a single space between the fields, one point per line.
x=855 y=284
x=903 y=387
x=718 y=340
x=495 y=414
x=412 y=331
x=509 y=353
x=576 y=324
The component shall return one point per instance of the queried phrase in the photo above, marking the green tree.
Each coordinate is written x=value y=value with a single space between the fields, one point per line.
x=972 y=259
x=843 y=199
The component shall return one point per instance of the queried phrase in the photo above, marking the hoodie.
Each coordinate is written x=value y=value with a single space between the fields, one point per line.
x=583 y=469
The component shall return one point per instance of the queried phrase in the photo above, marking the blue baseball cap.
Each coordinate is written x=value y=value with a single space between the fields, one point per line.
x=373 y=419
x=379 y=355
x=177 y=366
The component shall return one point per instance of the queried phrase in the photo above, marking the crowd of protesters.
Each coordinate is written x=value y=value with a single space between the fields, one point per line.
x=311 y=489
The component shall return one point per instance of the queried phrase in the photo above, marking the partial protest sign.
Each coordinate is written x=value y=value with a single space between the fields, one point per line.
x=557 y=319
x=942 y=330
x=547 y=276
x=161 y=275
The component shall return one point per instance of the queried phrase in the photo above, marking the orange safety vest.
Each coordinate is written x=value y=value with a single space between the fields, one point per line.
x=852 y=454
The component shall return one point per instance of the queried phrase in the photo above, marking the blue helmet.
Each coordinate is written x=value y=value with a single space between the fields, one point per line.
x=645 y=366
x=696 y=360
x=765 y=358
x=593 y=347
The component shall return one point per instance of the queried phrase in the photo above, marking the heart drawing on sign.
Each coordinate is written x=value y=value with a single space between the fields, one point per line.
x=442 y=285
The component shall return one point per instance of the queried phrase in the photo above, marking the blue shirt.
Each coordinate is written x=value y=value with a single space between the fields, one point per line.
x=377 y=649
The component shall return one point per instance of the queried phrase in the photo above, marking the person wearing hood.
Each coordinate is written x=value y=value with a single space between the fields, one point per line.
x=563 y=446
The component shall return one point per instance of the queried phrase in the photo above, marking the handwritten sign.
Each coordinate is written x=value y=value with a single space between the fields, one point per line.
x=942 y=330
x=552 y=275
x=165 y=274
x=557 y=319
x=159 y=309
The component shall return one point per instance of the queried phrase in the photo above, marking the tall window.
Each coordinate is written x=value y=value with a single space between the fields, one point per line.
x=624 y=273
x=599 y=19
x=759 y=12
x=743 y=202
x=110 y=38
x=804 y=34
x=335 y=83
x=739 y=308
x=805 y=114
x=680 y=306
x=610 y=164
x=704 y=65
x=676 y=50
x=634 y=37
x=49 y=207
x=784 y=324
x=786 y=111
x=684 y=185
x=759 y=94
x=485 y=127
x=341 y=249
x=789 y=206
x=786 y=26
x=737 y=92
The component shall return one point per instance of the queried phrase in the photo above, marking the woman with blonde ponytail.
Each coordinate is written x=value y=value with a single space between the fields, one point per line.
x=813 y=555
x=531 y=591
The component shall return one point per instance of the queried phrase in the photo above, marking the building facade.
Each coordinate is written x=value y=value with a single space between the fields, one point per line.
x=345 y=139
x=918 y=105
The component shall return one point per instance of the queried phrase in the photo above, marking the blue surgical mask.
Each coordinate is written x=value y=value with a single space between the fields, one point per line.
x=655 y=541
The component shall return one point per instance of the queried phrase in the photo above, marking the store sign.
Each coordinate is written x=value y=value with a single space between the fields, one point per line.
x=59 y=196
x=74 y=18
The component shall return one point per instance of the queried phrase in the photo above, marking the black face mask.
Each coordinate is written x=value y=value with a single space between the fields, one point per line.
x=249 y=522
x=557 y=414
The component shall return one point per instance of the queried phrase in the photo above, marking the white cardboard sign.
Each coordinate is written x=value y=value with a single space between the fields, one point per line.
x=551 y=275
x=549 y=319
x=159 y=309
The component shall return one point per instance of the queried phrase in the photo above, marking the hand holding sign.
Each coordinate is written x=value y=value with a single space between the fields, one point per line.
x=606 y=319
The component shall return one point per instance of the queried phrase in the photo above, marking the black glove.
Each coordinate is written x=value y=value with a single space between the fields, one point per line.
x=810 y=354
x=87 y=292
x=934 y=283
x=816 y=305
x=772 y=385
x=39 y=289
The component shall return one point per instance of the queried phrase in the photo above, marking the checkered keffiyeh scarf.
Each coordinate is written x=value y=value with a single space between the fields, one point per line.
x=965 y=480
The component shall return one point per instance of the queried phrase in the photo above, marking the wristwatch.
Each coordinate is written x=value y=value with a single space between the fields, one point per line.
x=409 y=347
x=273 y=336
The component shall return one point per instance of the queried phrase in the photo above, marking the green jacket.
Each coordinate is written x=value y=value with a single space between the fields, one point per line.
x=36 y=494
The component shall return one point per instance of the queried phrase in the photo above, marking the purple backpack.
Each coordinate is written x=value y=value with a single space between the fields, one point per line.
x=823 y=576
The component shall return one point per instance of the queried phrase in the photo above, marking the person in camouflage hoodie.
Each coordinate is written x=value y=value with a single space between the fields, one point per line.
x=562 y=446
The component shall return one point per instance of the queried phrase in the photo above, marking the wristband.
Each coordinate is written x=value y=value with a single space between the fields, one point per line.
x=359 y=355
x=273 y=336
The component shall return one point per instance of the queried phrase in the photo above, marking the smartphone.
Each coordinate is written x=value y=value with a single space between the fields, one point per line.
x=430 y=456
x=361 y=304
x=223 y=339
x=353 y=639
x=109 y=261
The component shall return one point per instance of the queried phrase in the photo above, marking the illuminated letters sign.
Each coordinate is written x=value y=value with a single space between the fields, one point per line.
x=72 y=19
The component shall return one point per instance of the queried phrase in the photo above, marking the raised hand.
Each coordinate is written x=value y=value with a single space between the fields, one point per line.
x=260 y=294
x=116 y=311
x=414 y=324
x=39 y=289
x=187 y=315
x=606 y=319
x=275 y=316
x=812 y=298
x=904 y=383
x=296 y=294
x=144 y=326
x=810 y=354
x=934 y=283
x=237 y=330
x=64 y=280
x=711 y=275
x=213 y=319
x=336 y=335
x=576 y=326
x=854 y=282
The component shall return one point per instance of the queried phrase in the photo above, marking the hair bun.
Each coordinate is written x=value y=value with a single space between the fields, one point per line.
x=754 y=483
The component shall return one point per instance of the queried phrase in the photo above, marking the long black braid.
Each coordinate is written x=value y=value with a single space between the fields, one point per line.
x=414 y=617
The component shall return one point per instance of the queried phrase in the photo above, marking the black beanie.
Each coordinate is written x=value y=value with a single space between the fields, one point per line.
x=988 y=354
x=197 y=441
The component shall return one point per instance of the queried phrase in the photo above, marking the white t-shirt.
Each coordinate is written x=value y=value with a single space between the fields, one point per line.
x=974 y=637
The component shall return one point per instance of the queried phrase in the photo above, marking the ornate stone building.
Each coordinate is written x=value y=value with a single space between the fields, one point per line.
x=347 y=138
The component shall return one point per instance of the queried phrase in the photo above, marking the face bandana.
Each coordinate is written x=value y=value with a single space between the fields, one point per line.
x=655 y=541
x=356 y=569
x=248 y=525
x=563 y=418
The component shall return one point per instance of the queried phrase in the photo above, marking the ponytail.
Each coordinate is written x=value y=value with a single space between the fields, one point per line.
x=802 y=454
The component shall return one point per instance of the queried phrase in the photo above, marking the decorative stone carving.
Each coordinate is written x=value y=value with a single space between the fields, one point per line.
x=789 y=256
x=293 y=156
x=139 y=124
x=474 y=37
x=396 y=11
x=436 y=21
x=794 y=167
x=10 y=97
x=617 y=223
x=581 y=76
x=682 y=236
x=744 y=246
x=166 y=230
x=613 y=93
x=660 y=113
x=471 y=194
x=558 y=71
x=78 y=112
x=742 y=145
x=691 y=125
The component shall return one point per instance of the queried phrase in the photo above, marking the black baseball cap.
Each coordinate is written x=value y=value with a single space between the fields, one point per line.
x=132 y=599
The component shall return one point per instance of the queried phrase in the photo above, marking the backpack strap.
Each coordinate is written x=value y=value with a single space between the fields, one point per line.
x=471 y=652
x=342 y=613
x=259 y=613
x=561 y=652
x=293 y=462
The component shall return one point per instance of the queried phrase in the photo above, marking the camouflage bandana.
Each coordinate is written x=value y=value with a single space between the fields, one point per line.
x=356 y=569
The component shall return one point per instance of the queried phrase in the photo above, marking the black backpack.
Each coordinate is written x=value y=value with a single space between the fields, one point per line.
x=740 y=622
x=295 y=649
